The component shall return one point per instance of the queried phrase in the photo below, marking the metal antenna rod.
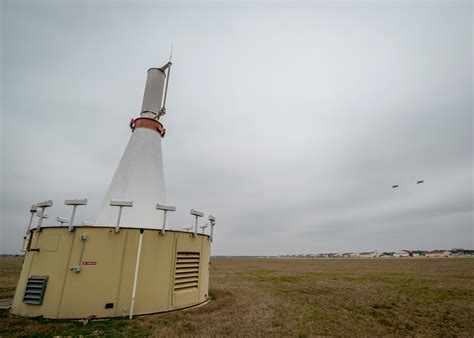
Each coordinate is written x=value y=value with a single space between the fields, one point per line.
x=171 y=51
x=163 y=110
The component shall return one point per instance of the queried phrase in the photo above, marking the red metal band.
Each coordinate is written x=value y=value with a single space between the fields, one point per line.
x=145 y=122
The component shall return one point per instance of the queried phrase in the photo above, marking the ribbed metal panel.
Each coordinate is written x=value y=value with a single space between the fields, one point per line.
x=187 y=271
x=35 y=289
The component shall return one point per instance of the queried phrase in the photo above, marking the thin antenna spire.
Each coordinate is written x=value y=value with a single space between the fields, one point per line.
x=171 y=51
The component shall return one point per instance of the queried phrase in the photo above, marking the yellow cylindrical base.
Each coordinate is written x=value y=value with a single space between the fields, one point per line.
x=90 y=271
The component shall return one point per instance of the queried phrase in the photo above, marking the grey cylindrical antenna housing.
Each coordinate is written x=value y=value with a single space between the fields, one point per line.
x=153 y=97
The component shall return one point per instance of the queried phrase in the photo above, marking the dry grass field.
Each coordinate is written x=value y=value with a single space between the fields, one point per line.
x=427 y=297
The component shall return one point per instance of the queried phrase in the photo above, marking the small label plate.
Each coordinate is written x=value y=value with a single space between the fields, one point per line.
x=89 y=263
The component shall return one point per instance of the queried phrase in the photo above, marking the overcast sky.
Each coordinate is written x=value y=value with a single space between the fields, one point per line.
x=288 y=121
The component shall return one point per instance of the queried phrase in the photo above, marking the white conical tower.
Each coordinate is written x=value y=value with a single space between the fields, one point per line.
x=139 y=176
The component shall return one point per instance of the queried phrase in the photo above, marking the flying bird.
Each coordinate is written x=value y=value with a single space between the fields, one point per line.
x=418 y=182
x=394 y=186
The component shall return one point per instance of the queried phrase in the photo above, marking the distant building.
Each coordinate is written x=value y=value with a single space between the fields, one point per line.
x=387 y=254
x=403 y=253
x=438 y=253
x=327 y=255
x=370 y=254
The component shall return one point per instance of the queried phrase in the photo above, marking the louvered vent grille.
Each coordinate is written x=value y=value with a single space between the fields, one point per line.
x=35 y=289
x=187 y=271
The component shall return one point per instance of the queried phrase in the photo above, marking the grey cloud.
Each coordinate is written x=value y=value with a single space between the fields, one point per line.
x=289 y=122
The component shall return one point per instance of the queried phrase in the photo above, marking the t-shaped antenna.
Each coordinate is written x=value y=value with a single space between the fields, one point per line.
x=120 y=204
x=43 y=215
x=74 y=203
x=203 y=227
x=42 y=206
x=165 y=209
x=62 y=220
x=197 y=214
